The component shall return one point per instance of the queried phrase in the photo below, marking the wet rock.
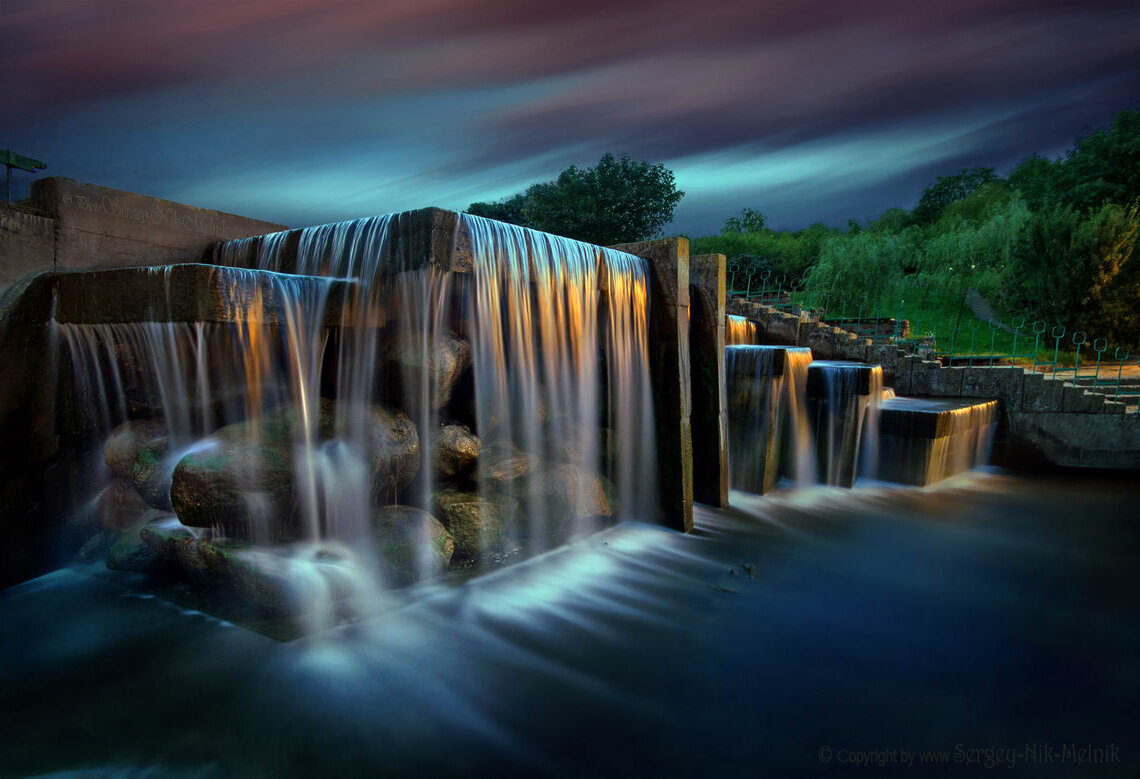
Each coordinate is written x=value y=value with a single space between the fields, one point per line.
x=571 y=496
x=130 y=553
x=242 y=478
x=278 y=580
x=503 y=462
x=163 y=535
x=412 y=543
x=475 y=523
x=119 y=506
x=455 y=452
x=411 y=361
x=394 y=450
x=232 y=483
x=137 y=451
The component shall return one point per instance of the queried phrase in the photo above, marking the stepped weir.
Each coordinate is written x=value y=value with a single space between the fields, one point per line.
x=316 y=418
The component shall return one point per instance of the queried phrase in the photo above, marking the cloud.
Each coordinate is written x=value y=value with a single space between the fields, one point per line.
x=301 y=110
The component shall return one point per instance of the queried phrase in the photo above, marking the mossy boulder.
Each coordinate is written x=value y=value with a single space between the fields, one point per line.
x=163 y=536
x=410 y=362
x=241 y=479
x=573 y=498
x=120 y=506
x=476 y=523
x=134 y=551
x=137 y=451
x=455 y=452
x=505 y=464
x=282 y=581
x=412 y=544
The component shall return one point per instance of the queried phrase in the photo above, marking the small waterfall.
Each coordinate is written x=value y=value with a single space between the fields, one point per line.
x=768 y=434
x=741 y=331
x=843 y=401
x=545 y=310
x=925 y=440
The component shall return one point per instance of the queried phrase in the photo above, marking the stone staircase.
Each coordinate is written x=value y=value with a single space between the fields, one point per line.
x=1047 y=419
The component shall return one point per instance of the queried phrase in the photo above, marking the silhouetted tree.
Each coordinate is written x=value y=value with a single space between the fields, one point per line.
x=949 y=189
x=619 y=200
x=749 y=221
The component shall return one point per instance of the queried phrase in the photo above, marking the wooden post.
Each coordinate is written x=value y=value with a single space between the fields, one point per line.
x=668 y=261
x=710 y=402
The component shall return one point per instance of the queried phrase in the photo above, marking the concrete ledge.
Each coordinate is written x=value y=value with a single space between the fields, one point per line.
x=185 y=293
x=1074 y=440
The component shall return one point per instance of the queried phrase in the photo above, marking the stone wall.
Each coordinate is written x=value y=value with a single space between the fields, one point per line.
x=69 y=225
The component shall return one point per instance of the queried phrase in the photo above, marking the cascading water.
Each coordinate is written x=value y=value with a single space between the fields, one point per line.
x=843 y=401
x=740 y=331
x=925 y=440
x=513 y=403
x=545 y=310
x=768 y=429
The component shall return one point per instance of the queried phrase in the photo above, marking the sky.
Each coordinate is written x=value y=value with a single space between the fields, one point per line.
x=309 y=111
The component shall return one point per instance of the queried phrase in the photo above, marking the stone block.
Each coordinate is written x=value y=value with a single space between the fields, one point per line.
x=1040 y=393
x=1076 y=400
x=707 y=343
x=1003 y=382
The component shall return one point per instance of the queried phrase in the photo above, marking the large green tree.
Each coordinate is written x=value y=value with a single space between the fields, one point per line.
x=1104 y=167
x=619 y=200
x=950 y=189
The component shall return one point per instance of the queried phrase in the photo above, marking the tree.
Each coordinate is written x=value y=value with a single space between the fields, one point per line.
x=1037 y=179
x=619 y=200
x=1104 y=167
x=949 y=189
x=1079 y=270
x=509 y=210
x=749 y=221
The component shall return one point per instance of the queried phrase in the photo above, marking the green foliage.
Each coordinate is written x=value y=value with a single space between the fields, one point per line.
x=619 y=200
x=949 y=189
x=1037 y=180
x=749 y=221
x=857 y=267
x=509 y=210
x=789 y=254
x=1077 y=269
x=1105 y=166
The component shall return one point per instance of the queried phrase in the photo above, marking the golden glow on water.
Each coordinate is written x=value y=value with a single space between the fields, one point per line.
x=740 y=331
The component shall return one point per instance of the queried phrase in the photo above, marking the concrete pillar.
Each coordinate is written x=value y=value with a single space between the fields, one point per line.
x=668 y=261
x=710 y=405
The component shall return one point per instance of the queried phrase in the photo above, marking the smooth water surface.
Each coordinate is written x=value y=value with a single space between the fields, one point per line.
x=988 y=611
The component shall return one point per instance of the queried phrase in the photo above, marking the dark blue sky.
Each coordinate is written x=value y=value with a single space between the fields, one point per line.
x=306 y=111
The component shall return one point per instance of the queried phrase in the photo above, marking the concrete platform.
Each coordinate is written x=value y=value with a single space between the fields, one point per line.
x=926 y=440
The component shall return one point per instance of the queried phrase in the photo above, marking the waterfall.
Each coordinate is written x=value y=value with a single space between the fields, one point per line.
x=844 y=399
x=925 y=440
x=545 y=309
x=512 y=402
x=741 y=331
x=768 y=428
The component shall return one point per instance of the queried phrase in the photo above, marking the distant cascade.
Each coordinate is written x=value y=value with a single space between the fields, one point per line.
x=512 y=402
x=741 y=331
x=768 y=434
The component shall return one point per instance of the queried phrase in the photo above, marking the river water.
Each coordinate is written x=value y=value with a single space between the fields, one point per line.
x=786 y=636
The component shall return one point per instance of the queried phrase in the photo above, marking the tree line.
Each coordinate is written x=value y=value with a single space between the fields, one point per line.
x=1054 y=239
